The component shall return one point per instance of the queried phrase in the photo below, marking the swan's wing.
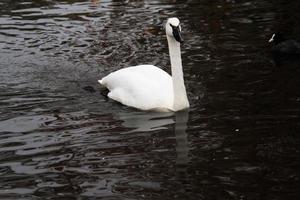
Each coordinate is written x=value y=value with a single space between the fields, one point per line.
x=144 y=87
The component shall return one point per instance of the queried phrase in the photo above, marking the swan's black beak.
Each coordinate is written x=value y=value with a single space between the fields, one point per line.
x=177 y=34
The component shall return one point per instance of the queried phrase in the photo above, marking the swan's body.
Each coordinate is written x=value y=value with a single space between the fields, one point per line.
x=148 y=87
x=134 y=86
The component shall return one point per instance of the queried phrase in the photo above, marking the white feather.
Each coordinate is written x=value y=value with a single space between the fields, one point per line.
x=145 y=87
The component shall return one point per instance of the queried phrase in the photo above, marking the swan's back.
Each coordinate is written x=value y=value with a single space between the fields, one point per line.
x=145 y=87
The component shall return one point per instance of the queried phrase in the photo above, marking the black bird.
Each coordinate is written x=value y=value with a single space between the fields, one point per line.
x=284 y=47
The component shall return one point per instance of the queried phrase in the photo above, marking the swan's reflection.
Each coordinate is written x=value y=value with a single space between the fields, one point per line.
x=182 y=146
x=146 y=122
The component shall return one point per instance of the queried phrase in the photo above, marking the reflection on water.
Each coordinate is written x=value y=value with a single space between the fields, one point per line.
x=182 y=145
x=181 y=119
x=59 y=140
x=145 y=122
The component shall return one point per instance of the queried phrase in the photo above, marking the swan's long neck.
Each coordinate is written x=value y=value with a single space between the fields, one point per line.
x=180 y=101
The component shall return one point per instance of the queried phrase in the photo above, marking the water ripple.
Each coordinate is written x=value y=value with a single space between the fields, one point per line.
x=60 y=141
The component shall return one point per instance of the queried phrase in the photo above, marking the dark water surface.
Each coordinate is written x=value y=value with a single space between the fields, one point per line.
x=239 y=140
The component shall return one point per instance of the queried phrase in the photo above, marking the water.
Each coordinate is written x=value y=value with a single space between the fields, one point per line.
x=239 y=140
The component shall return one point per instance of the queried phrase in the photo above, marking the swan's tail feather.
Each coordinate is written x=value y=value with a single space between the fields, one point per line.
x=100 y=81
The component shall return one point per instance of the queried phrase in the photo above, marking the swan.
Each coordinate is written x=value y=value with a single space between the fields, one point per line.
x=147 y=87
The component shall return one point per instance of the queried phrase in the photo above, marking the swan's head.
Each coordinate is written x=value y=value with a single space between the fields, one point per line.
x=173 y=29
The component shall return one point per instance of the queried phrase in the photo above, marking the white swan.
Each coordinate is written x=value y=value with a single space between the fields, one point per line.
x=148 y=87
